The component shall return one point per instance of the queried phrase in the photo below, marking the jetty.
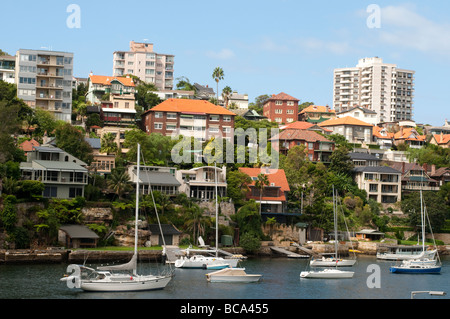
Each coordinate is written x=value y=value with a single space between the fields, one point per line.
x=288 y=253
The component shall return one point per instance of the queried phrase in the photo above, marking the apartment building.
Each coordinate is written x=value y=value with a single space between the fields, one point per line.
x=195 y=118
x=7 y=68
x=147 y=65
x=380 y=87
x=44 y=80
x=281 y=108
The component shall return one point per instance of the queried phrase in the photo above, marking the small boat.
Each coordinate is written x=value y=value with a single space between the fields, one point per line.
x=217 y=266
x=416 y=267
x=232 y=275
x=332 y=262
x=404 y=252
x=327 y=274
x=203 y=262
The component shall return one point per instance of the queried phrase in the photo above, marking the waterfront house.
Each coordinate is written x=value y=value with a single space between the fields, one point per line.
x=316 y=114
x=193 y=118
x=155 y=178
x=103 y=163
x=63 y=175
x=415 y=177
x=200 y=182
x=273 y=199
x=170 y=233
x=281 y=108
x=441 y=175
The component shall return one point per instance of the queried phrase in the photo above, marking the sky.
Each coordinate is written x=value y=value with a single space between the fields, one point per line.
x=263 y=46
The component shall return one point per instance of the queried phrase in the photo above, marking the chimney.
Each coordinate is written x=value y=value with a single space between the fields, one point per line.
x=403 y=167
x=433 y=169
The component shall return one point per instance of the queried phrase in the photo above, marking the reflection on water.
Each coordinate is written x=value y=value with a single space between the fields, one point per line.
x=280 y=281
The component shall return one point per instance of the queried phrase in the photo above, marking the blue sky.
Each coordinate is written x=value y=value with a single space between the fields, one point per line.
x=264 y=47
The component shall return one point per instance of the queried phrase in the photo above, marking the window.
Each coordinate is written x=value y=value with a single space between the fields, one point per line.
x=278 y=119
x=310 y=146
x=149 y=71
x=171 y=127
x=50 y=191
x=289 y=120
x=278 y=111
x=171 y=116
x=278 y=102
x=75 y=191
x=158 y=126
x=289 y=111
x=290 y=103
x=158 y=115
x=227 y=118
x=214 y=117
x=127 y=105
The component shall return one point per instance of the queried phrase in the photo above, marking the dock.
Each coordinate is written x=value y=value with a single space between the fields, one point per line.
x=288 y=253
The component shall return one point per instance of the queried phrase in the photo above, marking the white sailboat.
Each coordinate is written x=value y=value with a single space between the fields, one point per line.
x=204 y=262
x=421 y=264
x=333 y=261
x=105 y=278
x=232 y=275
x=328 y=273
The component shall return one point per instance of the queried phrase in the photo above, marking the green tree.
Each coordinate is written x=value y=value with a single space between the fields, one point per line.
x=119 y=182
x=261 y=182
x=218 y=76
x=226 y=92
x=185 y=85
x=108 y=144
x=71 y=140
x=259 y=103
x=145 y=96
x=237 y=186
x=249 y=220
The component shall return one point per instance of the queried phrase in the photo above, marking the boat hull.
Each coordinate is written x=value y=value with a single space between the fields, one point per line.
x=140 y=283
x=327 y=274
x=332 y=262
x=415 y=270
x=232 y=275
x=201 y=262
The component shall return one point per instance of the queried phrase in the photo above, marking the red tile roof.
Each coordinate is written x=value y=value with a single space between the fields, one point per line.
x=275 y=177
x=282 y=96
x=106 y=80
x=442 y=139
x=190 y=106
x=317 y=108
x=410 y=134
x=302 y=135
x=299 y=125
x=377 y=133
x=27 y=146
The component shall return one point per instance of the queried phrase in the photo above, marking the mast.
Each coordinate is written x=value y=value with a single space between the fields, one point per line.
x=217 y=212
x=335 y=226
x=137 y=205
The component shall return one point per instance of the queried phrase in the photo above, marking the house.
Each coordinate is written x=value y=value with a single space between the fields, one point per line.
x=273 y=199
x=193 y=118
x=369 y=234
x=442 y=140
x=155 y=178
x=361 y=113
x=119 y=110
x=204 y=92
x=118 y=132
x=27 y=146
x=445 y=129
x=382 y=137
x=247 y=114
x=281 y=108
x=410 y=137
x=364 y=159
x=103 y=163
x=170 y=234
x=302 y=125
x=200 y=182
x=319 y=148
x=354 y=130
x=382 y=183
x=316 y=114
x=63 y=175
x=174 y=94
x=442 y=174
x=415 y=177
x=77 y=236
x=99 y=85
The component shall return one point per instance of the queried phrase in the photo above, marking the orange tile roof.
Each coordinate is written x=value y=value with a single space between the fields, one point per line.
x=317 y=108
x=377 y=133
x=27 y=146
x=442 y=139
x=282 y=96
x=406 y=133
x=190 y=106
x=277 y=177
x=301 y=135
x=299 y=125
x=346 y=120
x=106 y=80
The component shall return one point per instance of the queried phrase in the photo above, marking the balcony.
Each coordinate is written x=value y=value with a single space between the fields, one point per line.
x=49 y=75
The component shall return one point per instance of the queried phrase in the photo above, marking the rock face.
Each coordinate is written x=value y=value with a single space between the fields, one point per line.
x=97 y=215
x=124 y=234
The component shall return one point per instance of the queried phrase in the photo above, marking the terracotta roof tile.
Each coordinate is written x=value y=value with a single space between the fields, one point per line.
x=190 y=106
x=302 y=135
x=442 y=139
x=278 y=177
x=317 y=108
x=106 y=80
x=282 y=96
x=346 y=120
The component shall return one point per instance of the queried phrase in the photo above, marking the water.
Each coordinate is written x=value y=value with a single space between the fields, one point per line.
x=280 y=281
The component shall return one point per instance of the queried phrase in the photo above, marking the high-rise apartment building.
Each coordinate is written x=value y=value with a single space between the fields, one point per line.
x=143 y=62
x=44 y=80
x=377 y=86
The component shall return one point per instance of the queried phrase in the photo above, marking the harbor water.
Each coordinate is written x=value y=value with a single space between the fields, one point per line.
x=281 y=280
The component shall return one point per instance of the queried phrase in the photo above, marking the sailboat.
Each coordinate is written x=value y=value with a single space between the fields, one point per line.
x=208 y=262
x=421 y=264
x=333 y=261
x=328 y=273
x=107 y=279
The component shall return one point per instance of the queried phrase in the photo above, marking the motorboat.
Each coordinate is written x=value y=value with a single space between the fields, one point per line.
x=328 y=273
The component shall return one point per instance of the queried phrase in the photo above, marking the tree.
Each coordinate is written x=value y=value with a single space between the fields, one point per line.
x=341 y=162
x=71 y=140
x=237 y=186
x=119 y=182
x=185 y=85
x=226 y=92
x=217 y=76
x=145 y=96
x=259 y=103
x=108 y=144
x=261 y=182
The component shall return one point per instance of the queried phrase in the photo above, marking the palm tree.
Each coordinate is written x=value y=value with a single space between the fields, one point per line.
x=119 y=182
x=108 y=144
x=226 y=92
x=260 y=183
x=217 y=76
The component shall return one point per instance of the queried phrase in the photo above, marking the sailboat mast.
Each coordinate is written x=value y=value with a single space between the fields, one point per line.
x=217 y=212
x=422 y=219
x=335 y=225
x=137 y=204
